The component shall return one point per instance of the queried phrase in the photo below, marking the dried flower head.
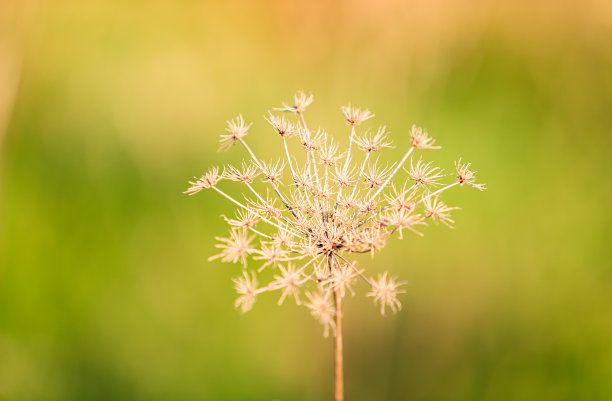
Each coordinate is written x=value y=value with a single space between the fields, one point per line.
x=372 y=143
x=273 y=172
x=208 y=180
x=246 y=286
x=327 y=205
x=248 y=173
x=438 y=211
x=300 y=102
x=236 y=129
x=235 y=248
x=384 y=291
x=425 y=173
x=466 y=176
x=322 y=310
x=420 y=139
x=244 y=219
x=355 y=116
x=328 y=153
x=282 y=126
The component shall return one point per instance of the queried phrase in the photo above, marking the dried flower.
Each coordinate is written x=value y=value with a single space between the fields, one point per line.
x=372 y=143
x=384 y=291
x=244 y=219
x=273 y=172
x=334 y=204
x=376 y=175
x=355 y=116
x=289 y=280
x=208 y=180
x=438 y=211
x=343 y=278
x=420 y=139
x=272 y=254
x=246 y=286
x=310 y=141
x=300 y=102
x=248 y=173
x=235 y=248
x=236 y=129
x=424 y=173
x=328 y=153
x=281 y=125
x=322 y=310
x=466 y=176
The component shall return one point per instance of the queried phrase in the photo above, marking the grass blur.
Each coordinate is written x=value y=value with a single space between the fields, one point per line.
x=107 y=108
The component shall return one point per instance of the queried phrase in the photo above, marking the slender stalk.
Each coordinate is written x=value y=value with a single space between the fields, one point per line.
x=258 y=163
x=354 y=268
x=365 y=160
x=338 y=361
x=289 y=158
x=392 y=174
x=350 y=145
x=303 y=120
x=252 y=211
x=339 y=365
x=436 y=192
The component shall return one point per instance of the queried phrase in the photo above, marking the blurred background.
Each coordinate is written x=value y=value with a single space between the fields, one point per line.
x=108 y=108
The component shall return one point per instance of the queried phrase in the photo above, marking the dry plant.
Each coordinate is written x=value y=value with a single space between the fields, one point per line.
x=331 y=206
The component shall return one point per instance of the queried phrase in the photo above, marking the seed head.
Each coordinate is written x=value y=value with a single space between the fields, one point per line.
x=248 y=173
x=355 y=116
x=328 y=153
x=438 y=211
x=244 y=219
x=289 y=281
x=333 y=204
x=283 y=127
x=208 y=180
x=420 y=139
x=273 y=172
x=376 y=175
x=246 y=286
x=425 y=173
x=322 y=310
x=466 y=176
x=310 y=141
x=384 y=291
x=271 y=254
x=300 y=102
x=343 y=278
x=235 y=248
x=372 y=143
x=236 y=129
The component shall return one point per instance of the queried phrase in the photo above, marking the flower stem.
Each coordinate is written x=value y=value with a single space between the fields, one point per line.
x=339 y=371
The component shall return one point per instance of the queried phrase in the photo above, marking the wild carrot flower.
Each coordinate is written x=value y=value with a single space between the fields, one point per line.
x=236 y=129
x=355 y=116
x=466 y=176
x=310 y=213
x=208 y=180
x=425 y=174
x=438 y=211
x=421 y=140
x=329 y=207
x=300 y=102
x=282 y=126
x=322 y=310
x=246 y=286
x=384 y=291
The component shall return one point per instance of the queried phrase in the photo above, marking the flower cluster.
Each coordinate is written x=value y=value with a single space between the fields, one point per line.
x=305 y=215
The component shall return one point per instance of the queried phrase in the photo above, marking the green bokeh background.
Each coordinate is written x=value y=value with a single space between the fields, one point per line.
x=107 y=108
